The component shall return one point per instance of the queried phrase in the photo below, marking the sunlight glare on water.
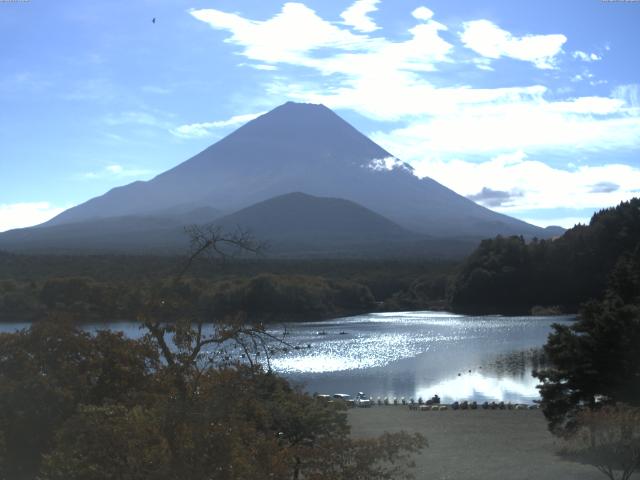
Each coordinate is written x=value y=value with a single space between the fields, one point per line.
x=419 y=354
x=355 y=353
x=407 y=354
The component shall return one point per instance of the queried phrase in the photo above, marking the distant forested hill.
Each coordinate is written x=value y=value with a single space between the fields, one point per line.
x=510 y=275
x=110 y=287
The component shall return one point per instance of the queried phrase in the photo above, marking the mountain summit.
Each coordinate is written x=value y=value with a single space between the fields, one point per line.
x=276 y=153
x=300 y=148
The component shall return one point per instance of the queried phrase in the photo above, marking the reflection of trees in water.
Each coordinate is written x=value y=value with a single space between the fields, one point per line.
x=517 y=363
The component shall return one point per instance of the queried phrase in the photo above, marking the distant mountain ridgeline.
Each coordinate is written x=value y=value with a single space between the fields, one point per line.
x=511 y=275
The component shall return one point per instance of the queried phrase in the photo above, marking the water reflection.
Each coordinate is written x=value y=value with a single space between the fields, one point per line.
x=419 y=354
x=506 y=377
x=408 y=354
x=480 y=387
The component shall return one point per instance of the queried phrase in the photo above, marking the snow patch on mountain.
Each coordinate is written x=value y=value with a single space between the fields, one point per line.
x=387 y=164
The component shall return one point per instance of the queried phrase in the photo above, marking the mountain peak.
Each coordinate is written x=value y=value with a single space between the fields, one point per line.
x=307 y=119
x=302 y=147
x=303 y=105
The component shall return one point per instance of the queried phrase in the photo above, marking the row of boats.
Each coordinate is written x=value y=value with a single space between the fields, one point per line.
x=361 y=400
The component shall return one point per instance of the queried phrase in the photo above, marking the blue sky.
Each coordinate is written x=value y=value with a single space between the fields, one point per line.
x=530 y=108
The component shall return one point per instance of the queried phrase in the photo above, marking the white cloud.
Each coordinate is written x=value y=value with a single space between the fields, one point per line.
x=287 y=37
x=539 y=186
x=199 y=130
x=259 y=66
x=115 y=169
x=487 y=122
x=19 y=215
x=586 y=57
x=297 y=34
x=629 y=94
x=357 y=15
x=489 y=40
x=422 y=13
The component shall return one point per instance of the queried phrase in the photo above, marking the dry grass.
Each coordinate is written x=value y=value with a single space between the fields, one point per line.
x=476 y=444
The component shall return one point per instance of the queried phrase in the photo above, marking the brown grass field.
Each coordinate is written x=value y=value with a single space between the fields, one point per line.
x=476 y=444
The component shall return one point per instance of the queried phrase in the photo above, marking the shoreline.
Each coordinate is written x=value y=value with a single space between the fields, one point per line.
x=295 y=318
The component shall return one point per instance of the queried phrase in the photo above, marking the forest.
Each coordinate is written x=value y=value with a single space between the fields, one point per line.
x=108 y=288
x=511 y=275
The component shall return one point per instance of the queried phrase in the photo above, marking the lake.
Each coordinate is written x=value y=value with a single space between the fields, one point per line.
x=408 y=354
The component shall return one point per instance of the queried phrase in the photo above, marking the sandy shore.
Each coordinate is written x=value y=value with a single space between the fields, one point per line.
x=476 y=444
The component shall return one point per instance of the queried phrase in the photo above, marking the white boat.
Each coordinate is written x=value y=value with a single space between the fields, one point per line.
x=343 y=397
x=362 y=400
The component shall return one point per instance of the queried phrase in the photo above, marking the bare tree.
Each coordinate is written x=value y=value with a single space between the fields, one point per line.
x=190 y=341
x=213 y=241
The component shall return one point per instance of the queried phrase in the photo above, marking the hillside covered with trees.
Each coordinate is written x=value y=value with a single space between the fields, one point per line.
x=112 y=287
x=511 y=275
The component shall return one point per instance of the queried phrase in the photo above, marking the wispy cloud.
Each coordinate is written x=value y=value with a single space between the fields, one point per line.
x=489 y=40
x=199 y=130
x=629 y=95
x=24 y=82
x=288 y=36
x=472 y=121
x=357 y=15
x=96 y=89
x=19 y=215
x=296 y=34
x=532 y=184
x=259 y=66
x=586 y=57
x=138 y=118
x=115 y=171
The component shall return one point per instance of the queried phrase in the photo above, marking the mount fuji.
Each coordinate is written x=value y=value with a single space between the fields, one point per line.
x=341 y=179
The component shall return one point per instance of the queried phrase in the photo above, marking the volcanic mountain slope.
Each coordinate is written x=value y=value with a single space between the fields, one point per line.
x=297 y=216
x=293 y=148
x=295 y=223
x=303 y=148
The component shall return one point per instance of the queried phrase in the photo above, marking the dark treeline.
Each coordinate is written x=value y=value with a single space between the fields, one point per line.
x=595 y=360
x=503 y=275
x=510 y=275
x=591 y=387
x=112 y=287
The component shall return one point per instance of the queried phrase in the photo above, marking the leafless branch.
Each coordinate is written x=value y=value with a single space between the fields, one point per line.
x=212 y=240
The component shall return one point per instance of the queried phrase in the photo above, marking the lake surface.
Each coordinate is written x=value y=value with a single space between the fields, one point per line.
x=408 y=354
